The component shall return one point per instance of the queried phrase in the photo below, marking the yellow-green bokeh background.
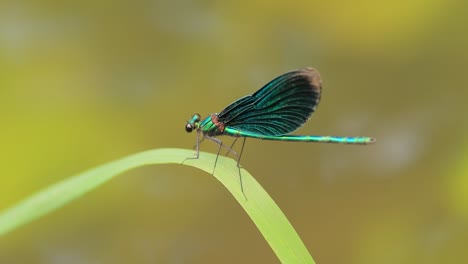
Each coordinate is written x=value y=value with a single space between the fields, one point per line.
x=88 y=82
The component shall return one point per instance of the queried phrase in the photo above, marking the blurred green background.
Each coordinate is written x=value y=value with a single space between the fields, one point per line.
x=83 y=83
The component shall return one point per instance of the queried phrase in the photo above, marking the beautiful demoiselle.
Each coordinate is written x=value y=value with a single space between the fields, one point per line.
x=277 y=109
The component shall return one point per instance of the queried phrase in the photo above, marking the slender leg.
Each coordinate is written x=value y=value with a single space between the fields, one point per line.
x=240 y=154
x=219 y=149
x=198 y=142
x=239 y=167
x=197 y=146
x=230 y=148
x=220 y=143
x=238 y=158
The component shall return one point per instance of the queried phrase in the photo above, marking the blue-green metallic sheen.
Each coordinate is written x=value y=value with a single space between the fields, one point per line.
x=209 y=128
x=301 y=138
x=277 y=109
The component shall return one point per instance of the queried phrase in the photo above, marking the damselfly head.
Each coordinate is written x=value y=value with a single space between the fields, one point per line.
x=193 y=123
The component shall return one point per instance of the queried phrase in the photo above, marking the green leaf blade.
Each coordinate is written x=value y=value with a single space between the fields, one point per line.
x=263 y=211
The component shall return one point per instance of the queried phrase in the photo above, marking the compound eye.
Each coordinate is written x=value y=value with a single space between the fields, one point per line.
x=188 y=128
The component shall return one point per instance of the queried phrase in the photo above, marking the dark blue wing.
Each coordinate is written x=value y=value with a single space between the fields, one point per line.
x=280 y=107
